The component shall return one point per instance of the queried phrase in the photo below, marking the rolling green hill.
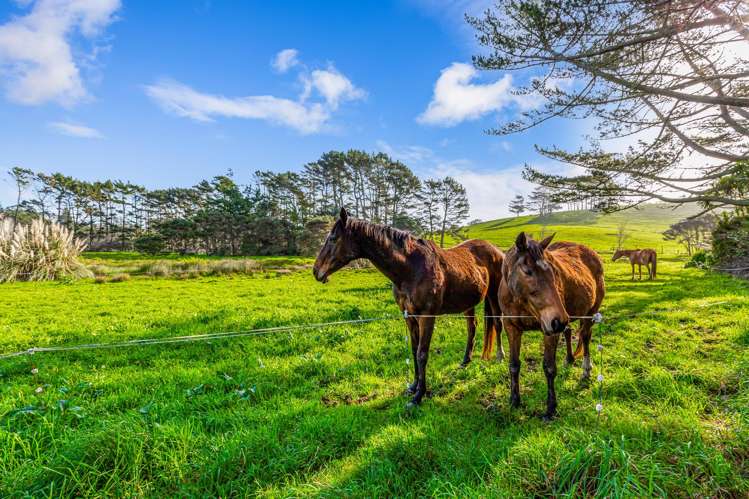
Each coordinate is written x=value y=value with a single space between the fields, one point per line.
x=644 y=227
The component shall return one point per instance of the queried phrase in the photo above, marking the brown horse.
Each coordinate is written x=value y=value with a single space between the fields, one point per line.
x=427 y=280
x=549 y=283
x=640 y=257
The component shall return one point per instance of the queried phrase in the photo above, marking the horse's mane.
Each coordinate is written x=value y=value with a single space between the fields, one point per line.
x=383 y=234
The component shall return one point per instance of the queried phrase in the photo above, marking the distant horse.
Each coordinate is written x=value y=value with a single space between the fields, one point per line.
x=640 y=257
x=549 y=283
x=427 y=281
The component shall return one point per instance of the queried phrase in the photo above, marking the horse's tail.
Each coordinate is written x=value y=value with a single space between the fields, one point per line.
x=489 y=331
x=655 y=263
x=579 y=348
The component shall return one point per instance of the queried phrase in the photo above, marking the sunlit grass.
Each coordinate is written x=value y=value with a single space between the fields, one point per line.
x=322 y=412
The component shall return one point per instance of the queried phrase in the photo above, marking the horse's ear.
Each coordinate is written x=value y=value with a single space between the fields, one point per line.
x=547 y=241
x=521 y=243
x=343 y=215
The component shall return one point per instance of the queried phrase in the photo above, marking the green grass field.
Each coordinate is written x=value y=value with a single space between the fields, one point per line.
x=643 y=227
x=322 y=412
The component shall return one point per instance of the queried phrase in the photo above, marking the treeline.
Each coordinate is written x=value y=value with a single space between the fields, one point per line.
x=278 y=213
x=545 y=201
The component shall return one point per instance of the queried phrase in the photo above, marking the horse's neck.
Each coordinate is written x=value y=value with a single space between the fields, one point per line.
x=392 y=262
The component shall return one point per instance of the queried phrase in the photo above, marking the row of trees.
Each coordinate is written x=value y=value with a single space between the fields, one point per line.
x=540 y=201
x=278 y=213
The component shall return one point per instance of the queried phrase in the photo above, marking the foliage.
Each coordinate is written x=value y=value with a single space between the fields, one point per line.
x=38 y=251
x=444 y=207
x=321 y=412
x=701 y=260
x=517 y=205
x=692 y=232
x=731 y=238
x=150 y=243
x=669 y=78
x=220 y=217
x=314 y=234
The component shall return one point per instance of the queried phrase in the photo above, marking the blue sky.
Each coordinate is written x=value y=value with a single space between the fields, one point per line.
x=174 y=94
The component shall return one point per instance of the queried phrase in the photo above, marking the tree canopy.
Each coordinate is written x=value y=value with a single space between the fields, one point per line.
x=667 y=81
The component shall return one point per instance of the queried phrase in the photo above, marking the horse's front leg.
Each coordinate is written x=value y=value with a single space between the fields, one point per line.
x=639 y=265
x=471 y=323
x=513 y=338
x=413 y=329
x=426 y=327
x=633 y=271
x=550 y=370
x=570 y=359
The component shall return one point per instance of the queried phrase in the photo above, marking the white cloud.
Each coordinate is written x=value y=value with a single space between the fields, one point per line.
x=323 y=92
x=285 y=60
x=74 y=130
x=489 y=191
x=36 y=58
x=183 y=101
x=407 y=154
x=456 y=99
x=334 y=87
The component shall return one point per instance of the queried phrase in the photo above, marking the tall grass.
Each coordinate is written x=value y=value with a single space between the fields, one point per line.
x=39 y=251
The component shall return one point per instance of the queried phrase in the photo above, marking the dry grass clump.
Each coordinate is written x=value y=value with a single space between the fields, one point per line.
x=120 y=278
x=191 y=270
x=39 y=251
x=159 y=270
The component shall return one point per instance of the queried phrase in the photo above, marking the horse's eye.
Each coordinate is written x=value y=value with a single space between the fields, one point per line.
x=527 y=271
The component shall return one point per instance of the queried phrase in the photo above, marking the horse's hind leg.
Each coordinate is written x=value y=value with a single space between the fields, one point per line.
x=639 y=266
x=583 y=343
x=496 y=323
x=471 y=323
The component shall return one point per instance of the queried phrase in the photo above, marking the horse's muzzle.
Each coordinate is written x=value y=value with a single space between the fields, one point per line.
x=558 y=326
x=321 y=276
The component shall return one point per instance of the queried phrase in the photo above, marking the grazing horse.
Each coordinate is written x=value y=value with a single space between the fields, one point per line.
x=549 y=283
x=427 y=281
x=639 y=257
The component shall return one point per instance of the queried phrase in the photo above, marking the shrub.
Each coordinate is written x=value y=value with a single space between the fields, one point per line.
x=100 y=279
x=731 y=238
x=701 y=260
x=120 y=278
x=151 y=244
x=39 y=251
x=159 y=270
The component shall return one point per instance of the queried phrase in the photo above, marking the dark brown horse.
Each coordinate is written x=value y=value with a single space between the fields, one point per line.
x=549 y=283
x=640 y=257
x=427 y=280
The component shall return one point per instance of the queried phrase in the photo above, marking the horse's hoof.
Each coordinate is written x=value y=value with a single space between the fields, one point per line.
x=500 y=357
x=569 y=361
x=549 y=417
x=410 y=406
x=464 y=364
x=514 y=403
